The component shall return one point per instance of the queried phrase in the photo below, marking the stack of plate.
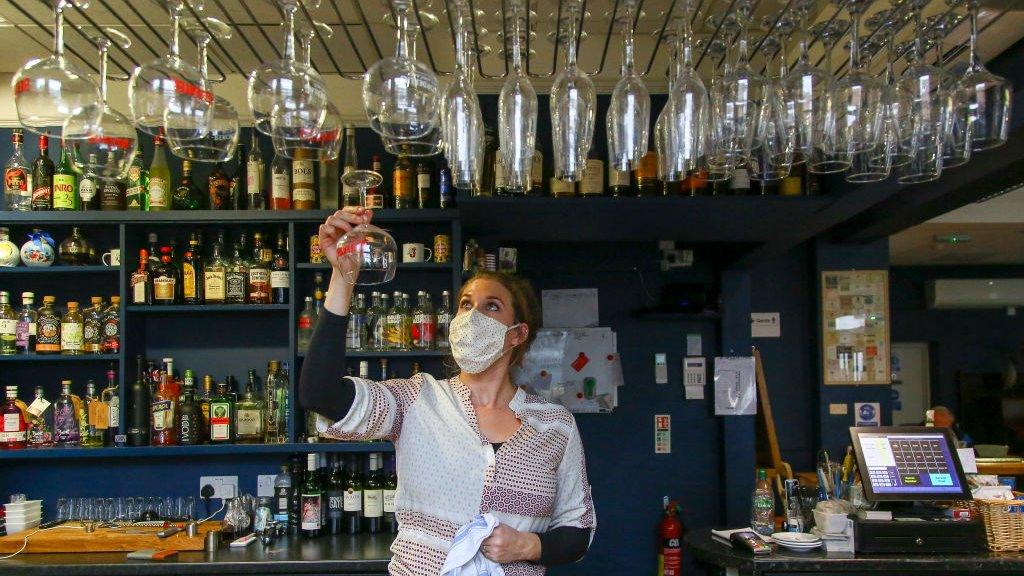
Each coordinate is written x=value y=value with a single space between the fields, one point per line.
x=23 y=515
x=797 y=541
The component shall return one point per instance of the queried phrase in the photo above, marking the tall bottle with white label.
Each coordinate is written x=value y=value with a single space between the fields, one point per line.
x=159 y=178
x=254 y=168
x=18 y=176
x=311 y=503
x=373 y=497
x=350 y=194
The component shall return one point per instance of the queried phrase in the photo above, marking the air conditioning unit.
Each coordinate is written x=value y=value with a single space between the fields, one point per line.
x=976 y=293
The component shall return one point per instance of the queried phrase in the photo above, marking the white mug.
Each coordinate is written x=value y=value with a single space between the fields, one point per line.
x=414 y=252
x=112 y=258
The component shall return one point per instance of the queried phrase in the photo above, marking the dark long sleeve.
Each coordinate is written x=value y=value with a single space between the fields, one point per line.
x=322 y=386
x=563 y=545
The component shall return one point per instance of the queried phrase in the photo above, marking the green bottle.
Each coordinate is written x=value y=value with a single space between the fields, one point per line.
x=159 y=178
x=65 y=183
x=137 y=194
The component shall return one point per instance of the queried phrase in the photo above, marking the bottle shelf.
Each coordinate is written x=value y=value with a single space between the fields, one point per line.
x=217 y=216
x=204 y=450
x=60 y=270
x=393 y=354
x=61 y=358
x=190 y=308
x=445 y=267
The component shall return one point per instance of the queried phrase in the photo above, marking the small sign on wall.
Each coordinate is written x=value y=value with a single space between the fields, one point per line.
x=662 y=433
x=765 y=325
x=867 y=414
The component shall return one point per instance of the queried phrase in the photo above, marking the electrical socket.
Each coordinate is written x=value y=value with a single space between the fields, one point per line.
x=223 y=486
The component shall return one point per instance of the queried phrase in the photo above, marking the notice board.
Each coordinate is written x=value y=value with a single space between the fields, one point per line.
x=855 y=327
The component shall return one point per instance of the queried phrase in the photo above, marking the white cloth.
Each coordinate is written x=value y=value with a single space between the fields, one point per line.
x=464 y=557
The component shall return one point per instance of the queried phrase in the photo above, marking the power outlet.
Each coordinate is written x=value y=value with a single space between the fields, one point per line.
x=265 y=485
x=223 y=486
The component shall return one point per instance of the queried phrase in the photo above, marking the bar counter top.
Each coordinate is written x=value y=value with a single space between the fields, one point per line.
x=362 y=555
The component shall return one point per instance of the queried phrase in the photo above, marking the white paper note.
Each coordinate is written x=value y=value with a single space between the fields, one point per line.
x=573 y=308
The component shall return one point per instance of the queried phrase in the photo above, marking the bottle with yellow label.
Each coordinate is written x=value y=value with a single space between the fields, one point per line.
x=403 y=182
x=303 y=181
x=65 y=183
x=159 y=178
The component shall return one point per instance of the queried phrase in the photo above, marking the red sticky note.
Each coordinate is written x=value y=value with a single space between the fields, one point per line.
x=580 y=362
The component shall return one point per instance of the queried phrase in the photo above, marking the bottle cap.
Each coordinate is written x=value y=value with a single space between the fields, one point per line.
x=72 y=305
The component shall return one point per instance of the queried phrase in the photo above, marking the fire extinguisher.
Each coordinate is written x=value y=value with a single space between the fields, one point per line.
x=670 y=532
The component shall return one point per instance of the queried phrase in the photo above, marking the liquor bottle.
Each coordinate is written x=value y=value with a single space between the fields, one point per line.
x=375 y=196
x=111 y=400
x=350 y=194
x=215 y=277
x=406 y=329
x=139 y=407
x=352 y=501
x=48 y=328
x=303 y=181
x=42 y=177
x=311 y=500
x=92 y=326
x=14 y=428
x=88 y=188
x=328 y=179
x=222 y=416
x=740 y=181
x=298 y=475
x=113 y=189
x=165 y=279
x=445 y=189
x=379 y=330
x=236 y=195
x=282 y=494
x=280 y=184
x=153 y=262
x=66 y=431
x=619 y=181
x=71 y=331
x=403 y=183
x=647 y=175
x=111 y=331
x=336 y=496
x=236 y=278
x=186 y=195
x=373 y=497
x=280 y=281
x=275 y=405
x=163 y=431
x=393 y=325
x=249 y=414
x=159 y=178
x=25 y=331
x=318 y=295
x=204 y=406
x=390 y=488
x=593 y=178
x=190 y=418
x=40 y=422
x=305 y=330
x=8 y=326
x=500 y=188
x=192 y=273
x=141 y=287
x=219 y=188
x=696 y=183
x=17 y=185
x=444 y=319
x=254 y=167
x=92 y=418
x=424 y=324
x=536 y=175
x=137 y=192
x=355 y=337
x=424 y=193
x=259 y=273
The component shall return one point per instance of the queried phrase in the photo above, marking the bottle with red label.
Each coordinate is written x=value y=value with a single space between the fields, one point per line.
x=424 y=323
x=670 y=534
x=164 y=406
x=16 y=177
x=305 y=325
x=14 y=433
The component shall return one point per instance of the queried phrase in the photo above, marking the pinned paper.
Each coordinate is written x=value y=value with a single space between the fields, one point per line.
x=575 y=308
x=735 y=387
x=577 y=367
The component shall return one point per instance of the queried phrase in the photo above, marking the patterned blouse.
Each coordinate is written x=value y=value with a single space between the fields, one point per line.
x=449 y=472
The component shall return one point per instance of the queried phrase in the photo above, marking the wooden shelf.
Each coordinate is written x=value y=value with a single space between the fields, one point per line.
x=60 y=269
x=194 y=308
x=215 y=216
x=47 y=358
x=206 y=450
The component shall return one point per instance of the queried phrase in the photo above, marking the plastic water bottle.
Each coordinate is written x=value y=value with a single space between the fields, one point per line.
x=762 y=506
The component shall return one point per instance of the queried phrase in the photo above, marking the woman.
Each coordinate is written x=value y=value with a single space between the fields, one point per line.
x=472 y=444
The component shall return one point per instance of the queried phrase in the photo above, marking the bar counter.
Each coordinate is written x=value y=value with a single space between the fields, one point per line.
x=362 y=555
x=713 y=553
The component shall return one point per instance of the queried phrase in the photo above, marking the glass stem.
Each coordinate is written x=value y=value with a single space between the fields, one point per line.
x=974 y=35
x=517 y=54
x=174 y=47
x=307 y=48
x=854 y=41
x=460 y=44
x=58 y=30
x=104 y=49
x=289 y=39
x=402 y=21
x=201 y=46
x=570 y=43
x=627 y=40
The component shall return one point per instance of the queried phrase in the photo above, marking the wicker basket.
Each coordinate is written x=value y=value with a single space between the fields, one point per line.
x=1004 y=530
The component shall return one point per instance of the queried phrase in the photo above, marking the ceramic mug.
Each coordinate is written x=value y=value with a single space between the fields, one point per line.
x=112 y=258
x=416 y=252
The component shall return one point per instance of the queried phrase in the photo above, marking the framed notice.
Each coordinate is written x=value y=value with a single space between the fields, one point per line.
x=855 y=327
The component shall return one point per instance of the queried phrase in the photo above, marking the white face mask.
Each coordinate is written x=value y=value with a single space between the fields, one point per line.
x=477 y=340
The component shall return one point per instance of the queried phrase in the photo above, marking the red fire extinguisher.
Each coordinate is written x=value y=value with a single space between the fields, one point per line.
x=670 y=531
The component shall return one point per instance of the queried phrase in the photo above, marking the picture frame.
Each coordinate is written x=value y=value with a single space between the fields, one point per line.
x=855 y=328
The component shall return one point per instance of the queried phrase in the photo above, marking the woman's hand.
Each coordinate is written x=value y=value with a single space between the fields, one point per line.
x=506 y=544
x=336 y=226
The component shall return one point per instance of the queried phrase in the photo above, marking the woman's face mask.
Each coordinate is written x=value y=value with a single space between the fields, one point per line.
x=477 y=340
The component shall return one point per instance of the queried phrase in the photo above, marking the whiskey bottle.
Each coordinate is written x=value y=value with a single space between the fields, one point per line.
x=66 y=431
x=190 y=418
x=92 y=326
x=276 y=405
x=71 y=331
x=303 y=181
x=373 y=497
x=236 y=279
x=93 y=418
x=215 y=277
x=424 y=193
x=259 y=272
x=336 y=496
x=42 y=177
x=8 y=326
x=25 y=331
x=160 y=195
x=141 y=285
x=350 y=194
x=204 y=406
x=40 y=422
x=222 y=416
x=111 y=400
x=139 y=407
x=445 y=188
x=312 y=500
x=137 y=192
x=375 y=196
x=280 y=184
x=162 y=431
x=444 y=318
x=111 y=343
x=280 y=281
x=165 y=279
x=186 y=195
x=249 y=414
x=254 y=191
x=219 y=186
x=424 y=324
x=593 y=178
x=403 y=182
x=17 y=176
x=13 y=427
x=647 y=175
x=305 y=328
x=352 y=501
x=192 y=273
x=88 y=188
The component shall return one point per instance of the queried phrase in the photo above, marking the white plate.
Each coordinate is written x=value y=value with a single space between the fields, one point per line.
x=792 y=548
x=796 y=538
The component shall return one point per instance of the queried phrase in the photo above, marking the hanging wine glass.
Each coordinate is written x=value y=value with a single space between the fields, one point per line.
x=429 y=144
x=926 y=106
x=401 y=94
x=291 y=127
x=858 y=112
x=688 y=113
x=805 y=89
x=956 y=149
x=743 y=88
x=664 y=146
x=826 y=156
x=771 y=155
x=48 y=91
x=106 y=148
x=370 y=250
x=629 y=112
x=292 y=85
x=720 y=162
x=894 y=128
x=778 y=30
x=462 y=121
x=572 y=108
x=988 y=96
x=517 y=112
x=219 y=141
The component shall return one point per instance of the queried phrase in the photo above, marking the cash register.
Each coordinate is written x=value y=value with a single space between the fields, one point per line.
x=905 y=472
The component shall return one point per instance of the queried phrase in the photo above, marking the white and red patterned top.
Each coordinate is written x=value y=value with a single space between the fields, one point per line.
x=449 y=472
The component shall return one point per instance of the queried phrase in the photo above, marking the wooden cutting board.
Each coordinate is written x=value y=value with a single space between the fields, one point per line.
x=103 y=540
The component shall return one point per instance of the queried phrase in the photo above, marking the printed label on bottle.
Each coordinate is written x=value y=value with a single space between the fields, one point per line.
x=70 y=336
x=188 y=276
x=6 y=437
x=593 y=178
x=253 y=175
x=617 y=177
x=373 y=503
x=187 y=429
x=157 y=193
x=134 y=196
x=259 y=275
x=114 y=409
x=163 y=415
x=139 y=290
x=249 y=422
x=311 y=512
x=499 y=172
x=8 y=326
x=335 y=501
x=220 y=421
x=279 y=279
x=353 y=500
x=63 y=191
x=12 y=423
x=280 y=185
x=303 y=195
x=16 y=180
x=49 y=334
x=91 y=334
x=302 y=172
x=537 y=171
x=236 y=286
x=22 y=333
x=111 y=326
x=87 y=190
x=389 y=501
x=163 y=288
x=214 y=286
x=374 y=199
x=38 y=406
x=423 y=181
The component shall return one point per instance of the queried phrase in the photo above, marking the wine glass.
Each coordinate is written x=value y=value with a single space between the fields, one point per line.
x=664 y=145
x=688 y=113
x=805 y=90
x=287 y=83
x=517 y=112
x=105 y=148
x=461 y=119
x=401 y=94
x=826 y=156
x=219 y=141
x=988 y=96
x=956 y=150
x=894 y=129
x=771 y=154
x=721 y=163
x=572 y=108
x=429 y=144
x=371 y=250
x=48 y=91
x=170 y=83
x=629 y=112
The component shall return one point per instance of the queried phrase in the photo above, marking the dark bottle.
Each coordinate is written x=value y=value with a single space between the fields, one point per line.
x=620 y=182
x=373 y=497
x=139 y=407
x=112 y=188
x=259 y=271
x=222 y=416
x=390 y=487
x=352 y=500
x=192 y=273
x=375 y=196
x=424 y=192
x=219 y=188
x=154 y=253
x=255 y=195
x=403 y=182
x=186 y=195
x=445 y=190
x=311 y=500
x=204 y=405
x=42 y=177
x=280 y=183
x=647 y=175
x=236 y=191
x=280 y=282
x=295 y=496
x=190 y=418
x=165 y=279
x=111 y=398
x=336 y=496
